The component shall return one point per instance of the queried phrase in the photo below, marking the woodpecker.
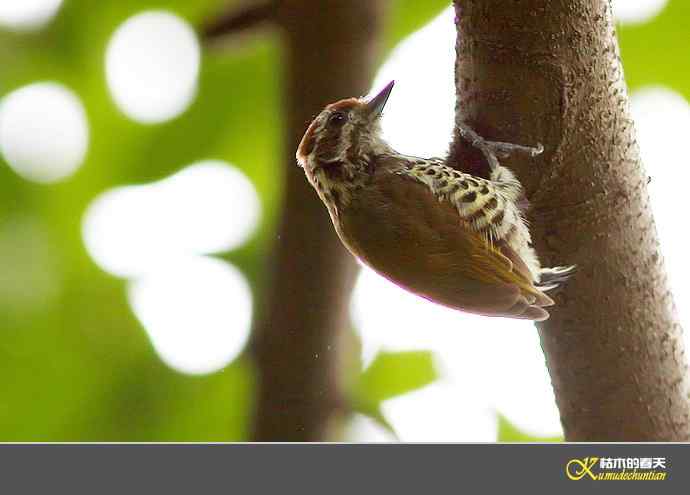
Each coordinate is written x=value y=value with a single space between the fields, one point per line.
x=454 y=238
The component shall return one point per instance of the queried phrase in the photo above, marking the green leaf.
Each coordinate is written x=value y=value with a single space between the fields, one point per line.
x=395 y=373
x=391 y=374
x=508 y=432
x=377 y=416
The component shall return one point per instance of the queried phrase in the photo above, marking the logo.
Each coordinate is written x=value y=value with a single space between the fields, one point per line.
x=617 y=468
x=577 y=469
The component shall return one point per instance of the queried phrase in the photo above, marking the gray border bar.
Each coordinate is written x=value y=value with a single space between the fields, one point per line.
x=324 y=468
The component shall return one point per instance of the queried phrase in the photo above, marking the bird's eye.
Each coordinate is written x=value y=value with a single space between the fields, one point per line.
x=337 y=118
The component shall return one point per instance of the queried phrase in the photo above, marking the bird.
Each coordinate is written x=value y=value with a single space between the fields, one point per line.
x=453 y=238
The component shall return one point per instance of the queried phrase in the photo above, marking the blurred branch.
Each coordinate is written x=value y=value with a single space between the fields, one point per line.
x=330 y=52
x=550 y=72
x=239 y=20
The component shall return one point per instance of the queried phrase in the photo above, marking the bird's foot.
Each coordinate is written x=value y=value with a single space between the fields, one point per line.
x=494 y=149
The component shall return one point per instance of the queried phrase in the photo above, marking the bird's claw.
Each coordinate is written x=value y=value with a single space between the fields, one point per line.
x=494 y=149
x=537 y=150
x=504 y=150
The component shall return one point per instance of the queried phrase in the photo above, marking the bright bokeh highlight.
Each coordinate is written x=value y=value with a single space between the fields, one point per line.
x=424 y=90
x=44 y=133
x=152 y=66
x=637 y=11
x=23 y=15
x=197 y=313
x=662 y=120
x=207 y=207
x=492 y=364
x=361 y=428
x=440 y=413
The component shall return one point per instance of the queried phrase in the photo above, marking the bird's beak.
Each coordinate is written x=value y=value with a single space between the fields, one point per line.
x=376 y=104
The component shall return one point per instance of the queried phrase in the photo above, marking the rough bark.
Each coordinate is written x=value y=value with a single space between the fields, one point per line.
x=549 y=71
x=329 y=54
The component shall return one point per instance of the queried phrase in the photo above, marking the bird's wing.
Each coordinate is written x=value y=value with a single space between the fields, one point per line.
x=403 y=230
x=484 y=206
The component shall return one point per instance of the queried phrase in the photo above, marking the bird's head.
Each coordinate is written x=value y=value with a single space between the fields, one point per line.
x=340 y=142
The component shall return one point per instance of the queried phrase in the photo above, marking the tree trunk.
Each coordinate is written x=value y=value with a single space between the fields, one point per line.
x=330 y=50
x=549 y=71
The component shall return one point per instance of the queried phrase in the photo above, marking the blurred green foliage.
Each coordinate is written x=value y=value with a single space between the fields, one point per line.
x=78 y=366
x=656 y=52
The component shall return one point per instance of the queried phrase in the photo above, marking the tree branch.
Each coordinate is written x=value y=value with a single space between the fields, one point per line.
x=549 y=71
x=238 y=20
x=330 y=54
